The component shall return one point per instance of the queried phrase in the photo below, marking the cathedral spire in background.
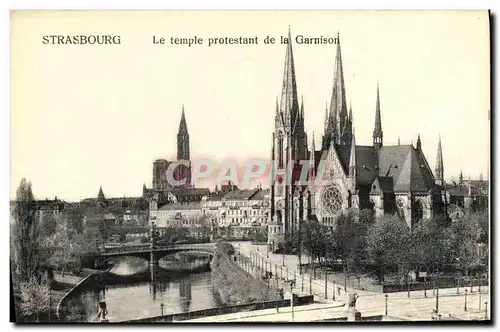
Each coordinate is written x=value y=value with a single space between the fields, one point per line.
x=377 y=130
x=183 y=138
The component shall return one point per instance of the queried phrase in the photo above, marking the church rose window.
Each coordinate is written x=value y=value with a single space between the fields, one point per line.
x=332 y=199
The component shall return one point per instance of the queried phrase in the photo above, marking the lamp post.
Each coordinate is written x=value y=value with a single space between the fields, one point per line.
x=50 y=300
x=326 y=285
x=386 y=297
x=437 y=300
x=291 y=301
x=465 y=305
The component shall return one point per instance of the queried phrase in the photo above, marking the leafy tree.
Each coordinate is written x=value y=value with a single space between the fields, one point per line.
x=25 y=233
x=260 y=234
x=314 y=239
x=386 y=245
x=466 y=235
x=34 y=298
x=348 y=239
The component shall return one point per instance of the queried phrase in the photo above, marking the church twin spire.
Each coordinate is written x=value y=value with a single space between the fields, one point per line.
x=337 y=120
x=289 y=118
x=289 y=106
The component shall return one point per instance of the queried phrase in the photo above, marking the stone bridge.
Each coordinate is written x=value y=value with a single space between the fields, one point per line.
x=152 y=255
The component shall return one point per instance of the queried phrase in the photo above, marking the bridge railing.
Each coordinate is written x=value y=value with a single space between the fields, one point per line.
x=146 y=247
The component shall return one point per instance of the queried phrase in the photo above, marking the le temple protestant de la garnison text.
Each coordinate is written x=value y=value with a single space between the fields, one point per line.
x=187 y=41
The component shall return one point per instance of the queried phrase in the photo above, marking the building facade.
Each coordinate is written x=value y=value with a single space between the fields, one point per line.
x=341 y=175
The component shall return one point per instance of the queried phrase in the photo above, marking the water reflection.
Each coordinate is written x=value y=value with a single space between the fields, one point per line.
x=139 y=299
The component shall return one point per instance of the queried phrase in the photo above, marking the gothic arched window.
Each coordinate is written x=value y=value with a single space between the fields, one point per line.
x=418 y=211
x=331 y=198
x=280 y=150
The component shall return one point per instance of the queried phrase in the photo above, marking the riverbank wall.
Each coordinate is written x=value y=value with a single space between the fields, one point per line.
x=299 y=301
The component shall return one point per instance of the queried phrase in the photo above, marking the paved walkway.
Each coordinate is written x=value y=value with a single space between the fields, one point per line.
x=67 y=279
x=415 y=307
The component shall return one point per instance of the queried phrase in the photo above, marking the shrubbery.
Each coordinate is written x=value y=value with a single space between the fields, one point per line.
x=234 y=285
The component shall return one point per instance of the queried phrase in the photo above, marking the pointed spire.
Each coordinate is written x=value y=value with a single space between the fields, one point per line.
x=439 y=163
x=312 y=161
x=338 y=107
x=326 y=116
x=352 y=158
x=461 y=178
x=377 y=130
x=289 y=101
x=100 y=195
x=419 y=143
x=183 y=125
x=183 y=138
x=302 y=107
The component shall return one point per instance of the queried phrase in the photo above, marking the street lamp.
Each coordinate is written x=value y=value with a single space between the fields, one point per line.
x=437 y=300
x=465 y=305
x=386 y=297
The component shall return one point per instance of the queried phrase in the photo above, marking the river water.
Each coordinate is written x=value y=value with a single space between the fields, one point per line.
x=143 y=298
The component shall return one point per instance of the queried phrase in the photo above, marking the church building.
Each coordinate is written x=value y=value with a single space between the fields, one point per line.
x=387 y=179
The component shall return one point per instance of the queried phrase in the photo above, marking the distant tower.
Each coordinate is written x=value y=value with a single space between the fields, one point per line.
x=182 y=171
x=378 y=134
x=183 y=139
x=439 y=170
x=419 y=143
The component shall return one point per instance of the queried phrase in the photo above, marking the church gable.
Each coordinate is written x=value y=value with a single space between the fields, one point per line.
x=334 y=165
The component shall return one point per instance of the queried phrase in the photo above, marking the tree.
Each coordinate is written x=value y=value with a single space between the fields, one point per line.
x=314 y=239
x=25 y=233
x=348 y=239
x=466 y=235
x=386 y=245
x=34 y=298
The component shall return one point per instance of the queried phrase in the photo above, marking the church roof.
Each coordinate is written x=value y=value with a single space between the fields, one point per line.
x=398 y=168
x=245 y=194
x=181 y=206
x=191 y=191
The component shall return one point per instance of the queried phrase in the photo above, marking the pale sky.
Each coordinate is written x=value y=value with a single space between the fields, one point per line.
x=85 y=116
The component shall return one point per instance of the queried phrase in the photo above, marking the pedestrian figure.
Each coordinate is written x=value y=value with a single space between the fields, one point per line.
x=103 y=311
